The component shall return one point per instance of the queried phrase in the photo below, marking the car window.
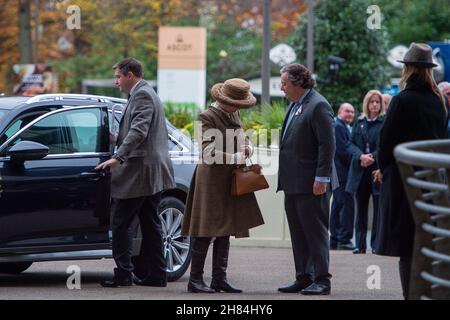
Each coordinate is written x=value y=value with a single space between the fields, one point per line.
x=117 y=116
x=2 y=113
x=65 y=132
x=17 y=125
x=173 y=146
x=84 y=128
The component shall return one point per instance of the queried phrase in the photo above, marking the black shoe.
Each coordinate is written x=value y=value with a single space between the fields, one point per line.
x=117 y=282
x=296 y=287
x=150 y=282
x=198 y=286
x=224 y=286
x=346 y=246
x=359 y=251
x=316 y=289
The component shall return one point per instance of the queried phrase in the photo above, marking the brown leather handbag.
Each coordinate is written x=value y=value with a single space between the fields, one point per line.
x=247 y=179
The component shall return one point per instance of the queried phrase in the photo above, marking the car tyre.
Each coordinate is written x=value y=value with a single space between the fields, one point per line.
x=177 y=249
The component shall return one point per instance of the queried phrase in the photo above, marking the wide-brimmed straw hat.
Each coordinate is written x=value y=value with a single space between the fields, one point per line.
x=419 y=54
x=234 y=92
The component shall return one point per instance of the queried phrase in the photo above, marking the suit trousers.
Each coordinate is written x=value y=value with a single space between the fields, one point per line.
x=342 y=217
x=365 y=190
x=124 y=213
x=307 y=217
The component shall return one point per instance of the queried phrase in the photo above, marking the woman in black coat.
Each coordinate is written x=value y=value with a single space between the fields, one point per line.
x=362 y=146
x=417 y=113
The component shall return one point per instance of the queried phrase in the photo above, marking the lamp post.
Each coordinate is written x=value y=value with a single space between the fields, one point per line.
x=223 y=63
x=310 y=37
x=36 y=30
x=265 y=66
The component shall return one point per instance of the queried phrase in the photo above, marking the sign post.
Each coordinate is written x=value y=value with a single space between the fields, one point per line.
x=182 y=64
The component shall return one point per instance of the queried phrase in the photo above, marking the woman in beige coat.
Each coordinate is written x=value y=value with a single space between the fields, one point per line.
x=211 y=210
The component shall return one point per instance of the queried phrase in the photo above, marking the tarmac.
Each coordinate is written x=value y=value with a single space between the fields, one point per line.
x=258 y=271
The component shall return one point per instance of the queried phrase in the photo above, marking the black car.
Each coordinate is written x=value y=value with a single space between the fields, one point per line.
x=53 y=204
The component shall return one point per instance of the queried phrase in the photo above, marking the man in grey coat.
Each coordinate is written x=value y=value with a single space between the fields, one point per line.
x=141 y=169
x=306 y=169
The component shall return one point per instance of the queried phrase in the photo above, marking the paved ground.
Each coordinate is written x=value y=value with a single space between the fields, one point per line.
x=258 y=271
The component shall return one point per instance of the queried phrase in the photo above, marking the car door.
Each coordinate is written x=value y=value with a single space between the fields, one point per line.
x=59 y=199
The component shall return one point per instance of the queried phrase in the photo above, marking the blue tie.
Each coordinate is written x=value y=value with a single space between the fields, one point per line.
x=290 y=117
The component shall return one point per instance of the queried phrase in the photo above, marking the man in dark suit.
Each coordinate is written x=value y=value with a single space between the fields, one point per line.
x=141 y=169
x=343 y=207
x=305 y=170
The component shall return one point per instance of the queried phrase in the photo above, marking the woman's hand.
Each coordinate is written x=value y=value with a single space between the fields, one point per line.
x=366 y=160
x=377 y=176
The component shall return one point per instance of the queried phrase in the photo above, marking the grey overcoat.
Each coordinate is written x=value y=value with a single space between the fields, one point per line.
x=142 y=143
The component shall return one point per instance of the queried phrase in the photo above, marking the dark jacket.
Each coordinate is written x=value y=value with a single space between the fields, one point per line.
x=414 y=114
x=307 y=148
x=360 y=137
x=342 y=157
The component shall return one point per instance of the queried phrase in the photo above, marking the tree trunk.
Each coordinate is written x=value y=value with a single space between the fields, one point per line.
x=25 y=44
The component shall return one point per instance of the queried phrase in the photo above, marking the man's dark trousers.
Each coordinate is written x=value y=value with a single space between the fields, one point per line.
x=342 y=217
x=124 y=212
x=307 y=217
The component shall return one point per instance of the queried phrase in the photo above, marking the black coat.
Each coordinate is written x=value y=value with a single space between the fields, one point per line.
x=342 y=157
x=357 y=147
x=414 y=114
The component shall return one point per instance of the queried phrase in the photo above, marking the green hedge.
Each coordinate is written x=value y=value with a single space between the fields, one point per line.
x=260 y=119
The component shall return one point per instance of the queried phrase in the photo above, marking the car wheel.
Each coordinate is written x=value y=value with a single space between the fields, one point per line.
x=177 y=249
x=14 y=267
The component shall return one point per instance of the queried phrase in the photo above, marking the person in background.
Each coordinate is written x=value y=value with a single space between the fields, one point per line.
x=444 y=87
x=387 y=100
x=360 y=182
x=342 y=208
x=418 y=112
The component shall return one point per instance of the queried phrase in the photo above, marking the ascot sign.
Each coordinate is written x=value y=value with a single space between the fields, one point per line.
x=182 y=64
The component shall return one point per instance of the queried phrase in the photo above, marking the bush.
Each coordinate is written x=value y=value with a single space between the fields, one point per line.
x=261 y=120
x=264 y=121
x=182 y=115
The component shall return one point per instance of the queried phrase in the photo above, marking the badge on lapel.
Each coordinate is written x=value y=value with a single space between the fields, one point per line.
x=299 y=110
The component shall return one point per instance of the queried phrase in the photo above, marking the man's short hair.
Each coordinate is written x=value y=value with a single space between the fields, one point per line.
x=129 y=65
x=343 y=104
x=299 y=75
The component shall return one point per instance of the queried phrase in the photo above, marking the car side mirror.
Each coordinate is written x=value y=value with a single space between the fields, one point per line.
x=27 y=150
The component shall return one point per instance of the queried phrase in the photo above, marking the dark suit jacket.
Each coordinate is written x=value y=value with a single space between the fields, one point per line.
x=342 y=157
x=307 y=149
x=142 y=143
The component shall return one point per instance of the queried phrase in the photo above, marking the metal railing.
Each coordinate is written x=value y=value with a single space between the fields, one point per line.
x=425 y=170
